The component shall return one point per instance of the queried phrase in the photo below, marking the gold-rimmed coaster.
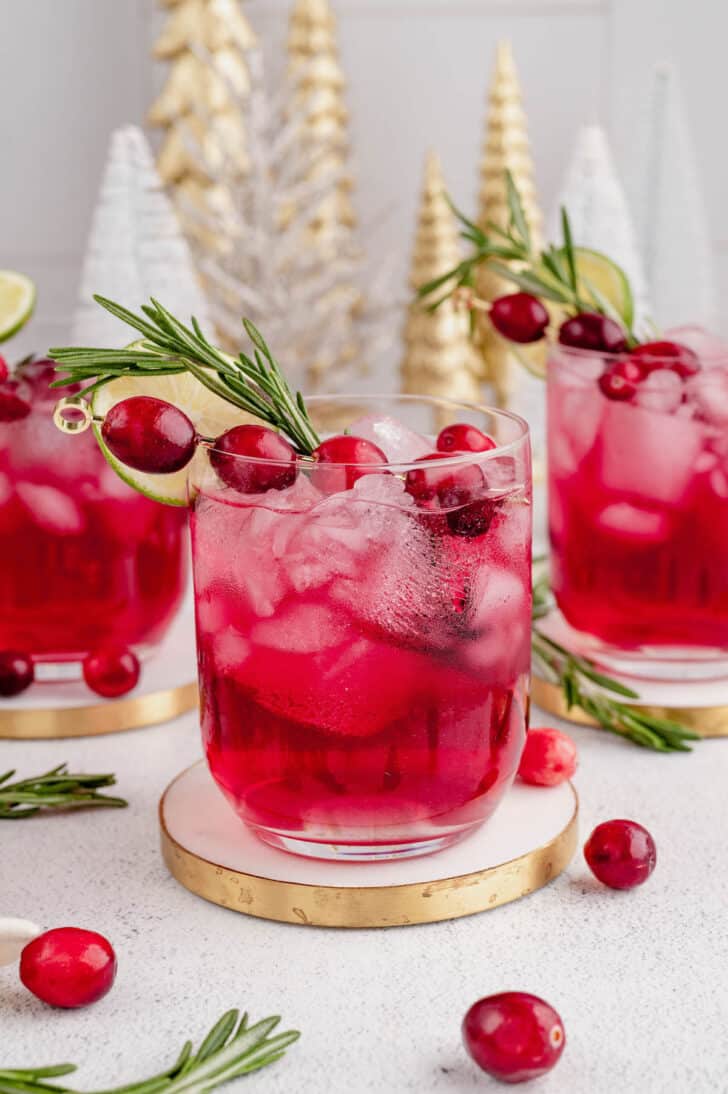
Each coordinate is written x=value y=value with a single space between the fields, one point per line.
x=167 y=688
x=707 y=719
x=530 y=840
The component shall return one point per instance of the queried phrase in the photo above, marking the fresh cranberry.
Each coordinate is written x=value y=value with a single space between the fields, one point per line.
x=519 y=317
x=616 y=387
x=457 y=489
x=343 y=459
x=252 y=459
x=15 y=399
x=621 y=853
x=149 y=435
x=593 y=332
x=670 y=355
x=68 y=967
x=16 y=672
x=111 y=672
x=38 y=371
x=4 y=370
x=628 y=369
x=514 y=1036
x=549 y=757
x=463 y=438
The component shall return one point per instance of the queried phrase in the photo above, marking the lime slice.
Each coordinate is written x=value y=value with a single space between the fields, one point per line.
x=608 y=279
x=209 y=414
x=17 y=300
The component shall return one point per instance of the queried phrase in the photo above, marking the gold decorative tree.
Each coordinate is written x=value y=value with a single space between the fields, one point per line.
x=506 y=148
x=316 y=71
x=439 y=357
x=205 y=43
x=318 y=80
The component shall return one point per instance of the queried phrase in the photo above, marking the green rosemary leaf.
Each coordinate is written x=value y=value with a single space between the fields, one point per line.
x=529 y=282
x=515 y=208
x=55 y=790
x=569 y=254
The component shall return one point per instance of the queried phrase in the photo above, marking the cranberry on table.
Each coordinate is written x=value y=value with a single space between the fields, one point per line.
x=68 y=967
x=549 y=757
x=514 y=1036
x=4 y=370
x=111 y=672
x=621 y=854
x=149 y=435
x=463 y=438
x=617 y=387
x=348 y=458
x=15 y=399
x=16 y=672
x=670 y=355
x=252 y=459
x=519 y=317
x=592 y=331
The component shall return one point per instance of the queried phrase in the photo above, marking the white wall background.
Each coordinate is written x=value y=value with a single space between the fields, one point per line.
x=418 y=70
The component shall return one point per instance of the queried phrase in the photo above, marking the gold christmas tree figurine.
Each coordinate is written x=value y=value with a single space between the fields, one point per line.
x=439 y=357
x=316 y=72
x=506 y=148
x=205 y=43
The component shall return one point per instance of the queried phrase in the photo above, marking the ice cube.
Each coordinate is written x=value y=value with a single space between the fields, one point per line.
x=501 y=616
x=575 y=415
x=52 y=510
x=634 y=523
x=231 y=650
x=719 y=482
x=645 y=456
x=708 y=393
x=302 y=628
x=707 y=345
x=661 y=391
x=397 y=442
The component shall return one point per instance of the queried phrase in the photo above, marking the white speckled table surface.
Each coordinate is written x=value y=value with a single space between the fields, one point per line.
x=639 y=978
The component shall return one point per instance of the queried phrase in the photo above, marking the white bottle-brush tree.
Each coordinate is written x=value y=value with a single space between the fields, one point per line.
x=672 y=216
x=599 y=214
x=135 y=248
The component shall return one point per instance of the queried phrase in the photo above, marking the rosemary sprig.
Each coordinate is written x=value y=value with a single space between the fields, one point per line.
x=231 y=1049
x=551 y=274
x=255 y=384
x=56 y=789
x=585 y=687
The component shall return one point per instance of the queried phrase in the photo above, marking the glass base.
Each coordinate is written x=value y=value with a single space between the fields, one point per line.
x=659 y=664
x=360 y=852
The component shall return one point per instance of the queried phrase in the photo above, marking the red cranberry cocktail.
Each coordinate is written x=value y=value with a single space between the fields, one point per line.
x=87 y=564
x=638 y=499
x=363 y=625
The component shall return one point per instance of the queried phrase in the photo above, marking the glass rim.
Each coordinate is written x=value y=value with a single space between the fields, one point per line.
x=575 y=353
x=458 y=460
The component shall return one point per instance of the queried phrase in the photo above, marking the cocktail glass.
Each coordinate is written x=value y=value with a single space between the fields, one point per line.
x=86 y=563
x=638 y=508
x=363 y=657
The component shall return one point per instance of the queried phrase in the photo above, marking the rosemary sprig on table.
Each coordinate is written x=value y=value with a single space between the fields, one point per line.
x=585 y=687
x=255 y=384
x=551 y=274
x=56 y=789
x=231 y=1049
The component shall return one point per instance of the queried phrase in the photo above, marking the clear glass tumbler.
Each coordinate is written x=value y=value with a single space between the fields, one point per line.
x=364 y=657
x=638 y=509
x=86 y=563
